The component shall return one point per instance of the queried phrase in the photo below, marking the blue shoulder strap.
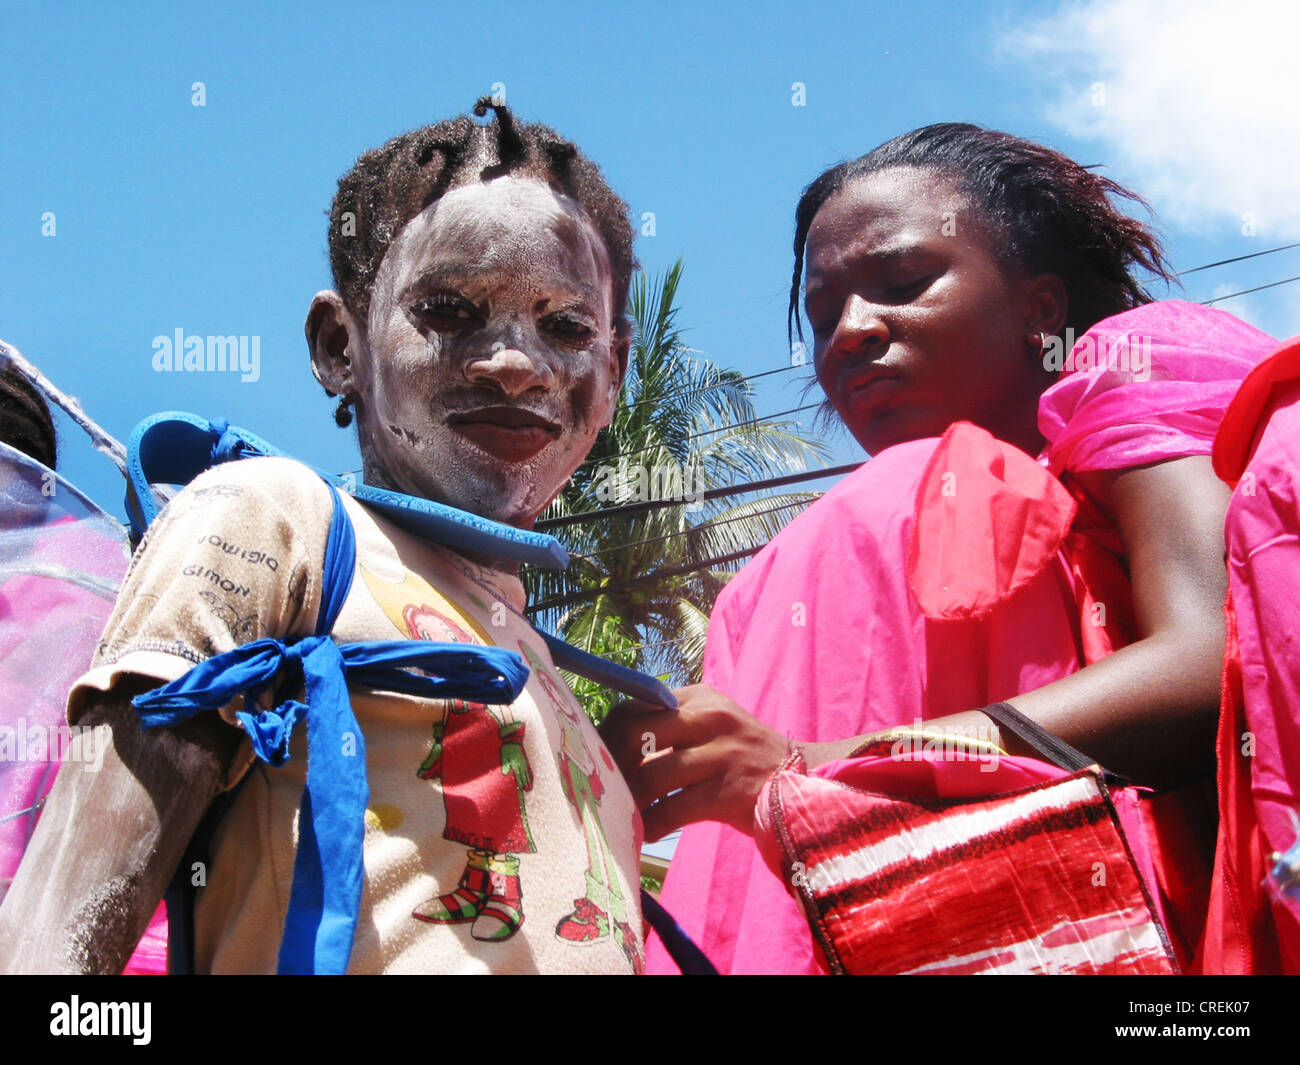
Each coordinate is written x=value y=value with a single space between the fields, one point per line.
x=174 y=447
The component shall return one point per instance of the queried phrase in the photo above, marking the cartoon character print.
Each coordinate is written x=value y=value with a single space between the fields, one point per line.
x=478 y=755
x=601 y=910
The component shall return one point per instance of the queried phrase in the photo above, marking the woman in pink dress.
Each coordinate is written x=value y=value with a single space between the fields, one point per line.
x=1254 y=918
x=965 y=282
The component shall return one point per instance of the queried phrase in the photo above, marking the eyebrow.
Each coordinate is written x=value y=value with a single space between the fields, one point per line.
x=890 y=252
x=474 y=272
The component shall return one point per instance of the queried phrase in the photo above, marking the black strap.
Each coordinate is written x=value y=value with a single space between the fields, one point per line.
x=182 y=894
x=1048 y=744
x=681 y=948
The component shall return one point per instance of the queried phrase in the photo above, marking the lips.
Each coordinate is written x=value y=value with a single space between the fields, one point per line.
x=865 y=392
x=512 y=434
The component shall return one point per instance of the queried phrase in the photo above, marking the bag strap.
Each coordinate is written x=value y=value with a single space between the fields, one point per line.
x=1048 y=744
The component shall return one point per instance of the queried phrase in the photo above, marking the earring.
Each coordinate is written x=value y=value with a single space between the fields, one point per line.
x=1042 y=346
x=342 y=413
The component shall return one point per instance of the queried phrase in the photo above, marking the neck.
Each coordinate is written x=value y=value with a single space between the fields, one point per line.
x=377 y=477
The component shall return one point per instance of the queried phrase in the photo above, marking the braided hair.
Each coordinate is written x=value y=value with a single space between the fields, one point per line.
x=391 y=185
x=25 y=421
x=1043 y=212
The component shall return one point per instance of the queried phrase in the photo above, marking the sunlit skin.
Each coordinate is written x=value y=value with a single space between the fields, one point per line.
x=901 y=277
x=913 y=330
x=493 y=313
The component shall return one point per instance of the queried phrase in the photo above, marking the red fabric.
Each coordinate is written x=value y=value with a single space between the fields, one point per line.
x=1240 y=937
x=963 y=560
x=1258 y=452
x=1018 y=879
x=483 y=803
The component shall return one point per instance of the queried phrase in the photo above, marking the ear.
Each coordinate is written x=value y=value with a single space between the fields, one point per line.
x=1047 y=304
x=335 y=339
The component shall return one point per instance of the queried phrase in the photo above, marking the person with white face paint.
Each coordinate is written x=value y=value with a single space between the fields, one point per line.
x=478 y=335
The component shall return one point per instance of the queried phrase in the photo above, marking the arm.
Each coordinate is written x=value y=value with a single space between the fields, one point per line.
x=1147 y=711
x=109 y=841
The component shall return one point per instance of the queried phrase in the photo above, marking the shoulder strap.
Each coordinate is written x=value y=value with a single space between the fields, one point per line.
x=173 y=447
x=181 y=896
x=1048 y=744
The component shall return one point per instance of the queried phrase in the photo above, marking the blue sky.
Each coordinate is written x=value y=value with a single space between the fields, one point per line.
x=212 y=219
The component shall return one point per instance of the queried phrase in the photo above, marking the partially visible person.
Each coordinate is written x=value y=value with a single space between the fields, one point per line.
x=25 y=421
x=61 y=561
x=1254 y=927
x=948 y=273
x=478 y=334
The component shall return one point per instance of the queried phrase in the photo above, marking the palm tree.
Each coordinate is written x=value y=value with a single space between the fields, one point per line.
x=635 y=591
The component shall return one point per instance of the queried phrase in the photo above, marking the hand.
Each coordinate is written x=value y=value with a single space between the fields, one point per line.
x=710 y=748
x=514 y=759
x=431 y=767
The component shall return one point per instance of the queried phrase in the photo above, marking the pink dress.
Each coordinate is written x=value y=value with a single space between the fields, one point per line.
x=822 y=637
x=1258 y=452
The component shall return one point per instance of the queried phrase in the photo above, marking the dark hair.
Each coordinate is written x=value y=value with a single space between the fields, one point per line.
x=1044 y=213
x=25 y=421
x=391 y=185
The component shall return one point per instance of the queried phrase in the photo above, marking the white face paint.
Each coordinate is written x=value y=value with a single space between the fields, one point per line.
x=492 y=361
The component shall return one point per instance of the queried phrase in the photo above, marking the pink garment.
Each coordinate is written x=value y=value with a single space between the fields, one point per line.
x=61 y=560
x=820 y=637
x=1258 y=452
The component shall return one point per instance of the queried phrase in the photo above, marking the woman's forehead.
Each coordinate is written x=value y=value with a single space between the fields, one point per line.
x=887 y=200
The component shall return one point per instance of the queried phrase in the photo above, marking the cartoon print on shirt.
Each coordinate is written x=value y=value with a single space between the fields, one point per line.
x=601 y=910
x=245 y=628
x=478 y=755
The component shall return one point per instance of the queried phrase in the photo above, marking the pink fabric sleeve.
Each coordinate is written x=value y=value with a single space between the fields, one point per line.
x=1147 y=385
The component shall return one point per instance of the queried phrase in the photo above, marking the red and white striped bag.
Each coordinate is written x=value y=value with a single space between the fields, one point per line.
x=960 y=863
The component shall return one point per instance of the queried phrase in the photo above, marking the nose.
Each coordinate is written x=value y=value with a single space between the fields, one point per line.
x=509 y=368
x=861 y=330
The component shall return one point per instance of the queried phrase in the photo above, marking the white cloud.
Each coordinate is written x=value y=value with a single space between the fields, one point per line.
x=1197 y=102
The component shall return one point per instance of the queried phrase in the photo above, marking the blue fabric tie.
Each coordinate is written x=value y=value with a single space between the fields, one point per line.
x=328 y=873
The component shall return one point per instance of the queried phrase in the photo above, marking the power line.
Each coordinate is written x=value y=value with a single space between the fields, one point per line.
x=696 y=528
x=1247 y=291
x=707 y=432
x=710 y=388
x=628 y=509
x=641 y=647
x=1238 y=259
x=649 y=578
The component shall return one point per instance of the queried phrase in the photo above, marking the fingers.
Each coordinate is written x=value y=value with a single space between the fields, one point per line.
x=636 y=732
x=699 y=802
x=669 y=771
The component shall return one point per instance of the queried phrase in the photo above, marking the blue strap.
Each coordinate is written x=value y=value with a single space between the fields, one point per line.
x=174 y=447
x=325 y=898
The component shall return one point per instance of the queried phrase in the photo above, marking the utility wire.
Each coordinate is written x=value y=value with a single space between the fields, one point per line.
x=710 y=388
x=628 y=509
x=707 y=432
x=1237 y=259
x=649 y=578
x=695 y=529
x=1247 y=291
